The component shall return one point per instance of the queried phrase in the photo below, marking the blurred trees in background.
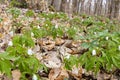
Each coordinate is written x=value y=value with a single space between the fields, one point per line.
x=108 y=8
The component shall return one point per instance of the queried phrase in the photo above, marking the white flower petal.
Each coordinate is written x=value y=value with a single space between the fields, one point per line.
x=119 y=47
x=56 y=26
x=10 y=43
x=11 y=33
x=46 y=25
x=95 y=33
x=93 y=52
x=107 y=38
x=32 y=34
x=30 y=52
x=52 y=12
x=38 y=27
x=34 y=77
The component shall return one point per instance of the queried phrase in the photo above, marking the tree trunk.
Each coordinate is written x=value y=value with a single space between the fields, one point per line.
x=108 y=8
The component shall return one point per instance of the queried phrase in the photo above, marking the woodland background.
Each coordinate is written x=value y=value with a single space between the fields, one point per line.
x=107 y=8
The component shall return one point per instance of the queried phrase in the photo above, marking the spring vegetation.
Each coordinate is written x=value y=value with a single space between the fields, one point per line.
x=52 y=46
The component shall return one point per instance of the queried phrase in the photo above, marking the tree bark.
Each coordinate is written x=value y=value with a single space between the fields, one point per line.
x=108 y=8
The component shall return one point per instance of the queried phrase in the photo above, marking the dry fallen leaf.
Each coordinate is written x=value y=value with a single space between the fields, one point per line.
x=63 y=74
x=58 y=74
x=59 y=41
x=1 y=35
x=76 y=72
x=75 y=43
x=104 y=76
x=16 y=74
x=36 y=48
x=54 y=73
x=47 y=44
x=52 y=60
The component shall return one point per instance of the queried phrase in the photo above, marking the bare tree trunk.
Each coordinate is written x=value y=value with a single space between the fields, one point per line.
x=116 y=8
x=109 y=8
x=82 y=10
x=95 y=10
x=57 y=5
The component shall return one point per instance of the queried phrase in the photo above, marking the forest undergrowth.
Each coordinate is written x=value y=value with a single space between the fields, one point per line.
x=52 y=46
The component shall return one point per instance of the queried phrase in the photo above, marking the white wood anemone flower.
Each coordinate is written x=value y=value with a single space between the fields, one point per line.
x=32 y=34
x=119 y=47
x=94 y=52
x=10 y=43
x=107 y=38
x=56 y=26
x=30 y=52
x=34 y=77
x=95 y=33
x=11 y=33
x=38 y=27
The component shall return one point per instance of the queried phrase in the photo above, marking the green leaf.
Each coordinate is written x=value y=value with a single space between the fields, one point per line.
x=1 y=19
x=29 y=13
x=115 y=62
x=23 y=40
x=85 y=45
x=5 y=67
x=15 y=12
x=7 y=56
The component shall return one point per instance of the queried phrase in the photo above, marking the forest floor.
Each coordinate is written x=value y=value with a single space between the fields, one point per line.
x=56 y=42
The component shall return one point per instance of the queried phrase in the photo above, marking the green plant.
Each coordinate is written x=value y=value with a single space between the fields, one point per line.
x=54 y=15
x=15 y=12
x=29 y=65
x=14 y=3
x=39 y=33
x=29 y=13
x=104 y=52
x=70 y=62
x=72 y=32
x=1 y=19
x=5 y=63
x=47 y=16
x=106 y=49
x=26 y=63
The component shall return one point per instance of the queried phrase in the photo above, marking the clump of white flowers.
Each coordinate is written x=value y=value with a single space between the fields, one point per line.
x=93 y=52
x=34 y=77
x=10 y=43
x=30 y=52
